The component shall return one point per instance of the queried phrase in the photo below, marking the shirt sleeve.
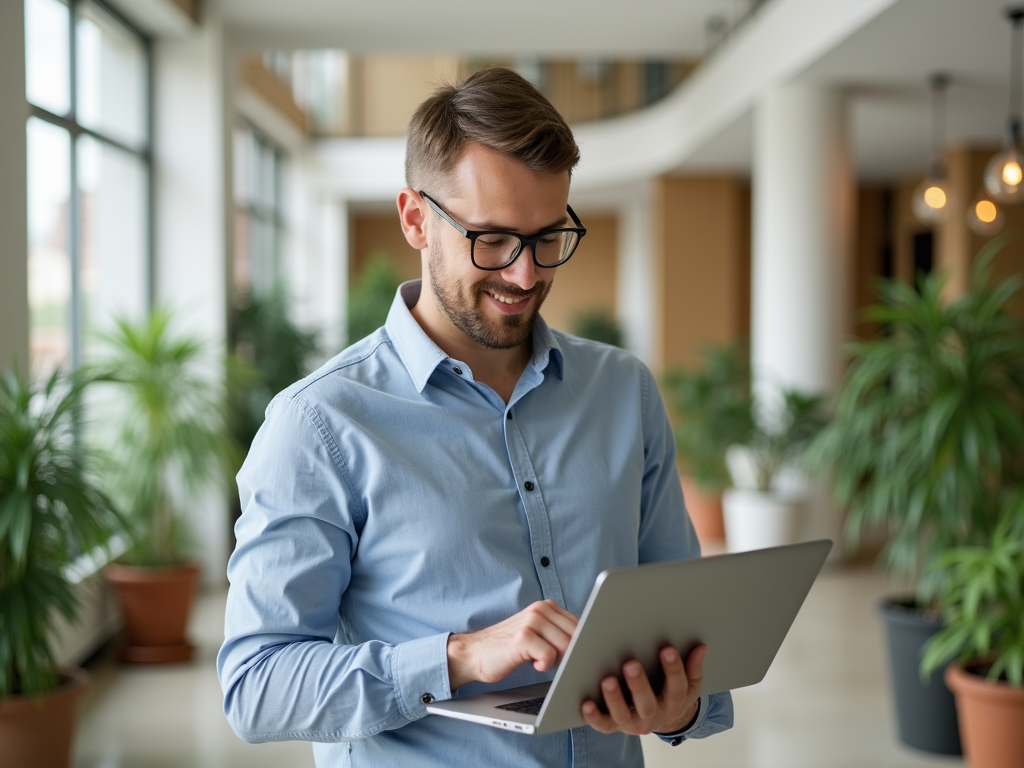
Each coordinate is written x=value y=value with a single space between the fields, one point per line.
x=714 y=716
x=666 y=533
x=282 y=673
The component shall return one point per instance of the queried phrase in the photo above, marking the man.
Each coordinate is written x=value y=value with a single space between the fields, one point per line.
x=425 y=515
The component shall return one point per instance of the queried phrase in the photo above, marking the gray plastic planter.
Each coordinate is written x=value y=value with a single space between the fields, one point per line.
x=925 y=713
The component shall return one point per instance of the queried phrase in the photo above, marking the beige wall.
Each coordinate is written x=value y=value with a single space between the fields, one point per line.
x=904 y=228
x=702 y=252
x=956 y=245
x=870 y=240
x=381 y=233
x=382 y=91
x=387 y=89
x=588 y=279
x=274 y=91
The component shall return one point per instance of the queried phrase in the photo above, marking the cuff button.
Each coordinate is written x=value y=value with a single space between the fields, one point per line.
x=426 y=698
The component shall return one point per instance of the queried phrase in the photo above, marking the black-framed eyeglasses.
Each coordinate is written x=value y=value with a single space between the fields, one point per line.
x=495 y=249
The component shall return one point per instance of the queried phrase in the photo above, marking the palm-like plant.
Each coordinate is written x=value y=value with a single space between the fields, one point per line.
x=982 y=602
x=716 y=408
x=777 y=437
x=370 y=297
x=929 y=428
x=50 y=508
x=712 y=409
x=271 y=352
x=599 y=324
x=173 y=437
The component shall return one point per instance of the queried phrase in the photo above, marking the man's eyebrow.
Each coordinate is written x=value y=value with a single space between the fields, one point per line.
x=492 y=226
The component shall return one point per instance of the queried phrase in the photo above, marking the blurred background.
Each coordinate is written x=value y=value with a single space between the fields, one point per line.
x=752 y=169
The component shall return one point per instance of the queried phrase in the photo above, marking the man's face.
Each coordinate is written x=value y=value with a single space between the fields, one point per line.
x=495 y=309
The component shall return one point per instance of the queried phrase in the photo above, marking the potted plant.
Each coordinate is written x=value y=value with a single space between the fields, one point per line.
x=370 y=297
x=598 y=324
x=710 y=407
x=50 y=508
x=927 y=435
x=981 y=598
x=765 y=507
x=171 y=441
x=270 y=353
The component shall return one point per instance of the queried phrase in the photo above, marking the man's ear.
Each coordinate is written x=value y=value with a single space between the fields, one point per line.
x=412 y=214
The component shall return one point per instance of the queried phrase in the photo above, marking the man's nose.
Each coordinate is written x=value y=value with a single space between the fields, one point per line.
x=523 y=271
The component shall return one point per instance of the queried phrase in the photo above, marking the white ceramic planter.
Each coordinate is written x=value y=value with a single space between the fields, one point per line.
x=755 y=519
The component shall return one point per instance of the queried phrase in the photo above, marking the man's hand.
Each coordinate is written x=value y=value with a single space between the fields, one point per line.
x=670 y=712
x=539 y=633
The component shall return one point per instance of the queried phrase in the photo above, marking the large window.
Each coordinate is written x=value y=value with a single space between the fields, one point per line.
x=89 y=175
x=259 y=213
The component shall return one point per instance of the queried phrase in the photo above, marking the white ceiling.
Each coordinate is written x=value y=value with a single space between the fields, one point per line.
x=884 y=66
x=483 y=27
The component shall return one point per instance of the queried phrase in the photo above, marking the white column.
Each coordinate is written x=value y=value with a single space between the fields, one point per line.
x=193 y=235
x=332 y=295
x=13 y=189
x=635 y=285
x=316 y=267
x=803 y=199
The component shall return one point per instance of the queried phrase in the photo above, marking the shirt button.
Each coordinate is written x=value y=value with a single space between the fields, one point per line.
x=510 y=414
x=528 y=485
x=426 y=698
x=545 y=561
x=457 y=370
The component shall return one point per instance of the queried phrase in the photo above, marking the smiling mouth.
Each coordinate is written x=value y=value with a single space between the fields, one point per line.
x=507 y=299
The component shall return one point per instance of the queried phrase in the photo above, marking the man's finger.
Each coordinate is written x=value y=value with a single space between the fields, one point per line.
x=695 y=665
x=555 y=613
x=677 y=682
x=644 y=701
x=615 y=701
x=596 y=719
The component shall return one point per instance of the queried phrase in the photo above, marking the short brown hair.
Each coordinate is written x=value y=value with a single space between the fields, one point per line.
x=496 y=108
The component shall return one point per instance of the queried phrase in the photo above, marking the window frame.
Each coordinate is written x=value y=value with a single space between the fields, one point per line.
x=258 y=212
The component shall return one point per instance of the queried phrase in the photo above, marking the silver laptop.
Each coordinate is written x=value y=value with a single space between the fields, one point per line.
x=740 y=605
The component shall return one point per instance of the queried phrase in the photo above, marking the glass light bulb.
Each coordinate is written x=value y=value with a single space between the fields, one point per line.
x=985 y=217
x=1004 y=174
x=1011 y=174
x=931 y=201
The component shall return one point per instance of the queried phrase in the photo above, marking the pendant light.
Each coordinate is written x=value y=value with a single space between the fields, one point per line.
x=931 y=197
x=1005 y=171
x=985 y=216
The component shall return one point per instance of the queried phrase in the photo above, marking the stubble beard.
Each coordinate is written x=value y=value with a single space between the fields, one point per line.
x=464 y=308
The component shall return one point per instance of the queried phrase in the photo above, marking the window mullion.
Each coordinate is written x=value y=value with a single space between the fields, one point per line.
x=76 y=312
x=150 y=255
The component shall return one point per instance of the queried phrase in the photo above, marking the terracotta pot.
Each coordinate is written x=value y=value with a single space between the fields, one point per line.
x=38 y=732
x=705 y=512
x=155 y=603
x=991 y=719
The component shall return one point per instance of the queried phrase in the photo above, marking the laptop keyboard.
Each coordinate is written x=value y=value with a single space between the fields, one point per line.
x=525 y=707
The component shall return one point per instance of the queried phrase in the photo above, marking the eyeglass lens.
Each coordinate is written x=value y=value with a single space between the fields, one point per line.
x=497 y=249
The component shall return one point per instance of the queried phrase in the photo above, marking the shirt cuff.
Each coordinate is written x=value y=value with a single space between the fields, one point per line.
x=419 y=669
x=677 y=738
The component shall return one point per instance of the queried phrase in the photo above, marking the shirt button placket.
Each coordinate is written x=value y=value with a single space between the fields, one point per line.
x=536 y=512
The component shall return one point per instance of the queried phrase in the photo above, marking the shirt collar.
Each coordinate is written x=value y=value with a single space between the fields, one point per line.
x=421 y=355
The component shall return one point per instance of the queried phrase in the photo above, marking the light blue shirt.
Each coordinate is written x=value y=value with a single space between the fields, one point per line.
x=390 y=499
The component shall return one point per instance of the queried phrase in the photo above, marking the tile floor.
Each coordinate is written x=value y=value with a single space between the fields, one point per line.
x=824 y=703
